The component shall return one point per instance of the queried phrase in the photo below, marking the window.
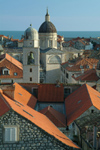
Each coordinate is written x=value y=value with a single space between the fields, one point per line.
x=5 y=71
x=30 y=78
x=61 y=69
x=50 y=43
x=31 y=59
x=66 y=75
x=10 y=134
x=81 y=66
x=15 y=73
x=67 y=91
x=30 y=69
x=35 y=92
x=87 y=66
x=92 y=111
x=79 y=101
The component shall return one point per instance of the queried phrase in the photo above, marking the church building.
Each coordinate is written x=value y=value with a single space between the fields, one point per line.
x=41 y=58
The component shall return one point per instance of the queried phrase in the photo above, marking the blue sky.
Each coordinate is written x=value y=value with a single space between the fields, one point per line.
x=66 y=15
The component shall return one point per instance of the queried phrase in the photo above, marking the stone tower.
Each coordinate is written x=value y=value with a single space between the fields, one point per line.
x=31 y=54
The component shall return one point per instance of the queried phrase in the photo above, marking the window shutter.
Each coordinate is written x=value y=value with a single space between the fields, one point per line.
x=13 y=134
x=7 y=134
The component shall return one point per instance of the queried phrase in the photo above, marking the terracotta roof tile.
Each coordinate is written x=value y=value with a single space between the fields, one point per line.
x=4 y=36
x=18 y=93
x=89 y=75
x=12 y=60
x=14 y=40
x=21 y=40
x=39 y=120
x=4 y=106
x=12 y=64
x=80 y=101
x=82 y=62
x=50 y=93
x=56 y=117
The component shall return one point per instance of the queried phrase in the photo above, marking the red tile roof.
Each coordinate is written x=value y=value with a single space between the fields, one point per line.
x=4 y=36
x=83 y=42
x=21 y=40
x=14 y=40
x=68 y=43
x=89 y=75
x=4 y=106
x=50 y=93
x=18 y=93
x=37 y=118
x=13 y=60
x=12 y=64
x=81 y=62
x=78 y=38
x=80 y=101
x=56 y=117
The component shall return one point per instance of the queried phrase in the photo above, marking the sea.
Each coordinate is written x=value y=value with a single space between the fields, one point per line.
x=65 y=34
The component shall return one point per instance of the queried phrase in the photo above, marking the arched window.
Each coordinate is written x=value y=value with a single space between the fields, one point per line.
x=31 y=59
x=55 y=60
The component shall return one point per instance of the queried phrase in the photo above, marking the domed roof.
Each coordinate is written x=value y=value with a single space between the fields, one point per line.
x=31 y=33
x=47 y=26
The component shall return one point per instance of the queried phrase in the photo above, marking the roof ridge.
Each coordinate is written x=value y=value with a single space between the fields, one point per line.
x=12 y=58
x=55 y=116
x=85 y=74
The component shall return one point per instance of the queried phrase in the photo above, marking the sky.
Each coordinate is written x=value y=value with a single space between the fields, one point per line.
x=66 y=15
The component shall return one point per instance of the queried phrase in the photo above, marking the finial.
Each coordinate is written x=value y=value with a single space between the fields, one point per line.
x=47 y=17
x=30 y=25
x=47 y=11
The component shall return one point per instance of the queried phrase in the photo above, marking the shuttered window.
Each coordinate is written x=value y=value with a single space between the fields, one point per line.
x=10 y=134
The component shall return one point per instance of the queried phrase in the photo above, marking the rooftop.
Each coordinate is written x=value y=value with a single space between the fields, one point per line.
x=74 y=65
x=35 y=117
x=80 y=101
x=56 y=117
x=50 y=93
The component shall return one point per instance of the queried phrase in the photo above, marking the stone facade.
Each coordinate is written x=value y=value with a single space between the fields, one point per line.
x=48 y=40
x=30 y=136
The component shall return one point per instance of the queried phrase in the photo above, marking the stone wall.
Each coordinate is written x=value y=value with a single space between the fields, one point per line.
x=31 y=137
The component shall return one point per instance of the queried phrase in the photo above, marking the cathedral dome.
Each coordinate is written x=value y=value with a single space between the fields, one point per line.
x=47 y=26
x=31 y=33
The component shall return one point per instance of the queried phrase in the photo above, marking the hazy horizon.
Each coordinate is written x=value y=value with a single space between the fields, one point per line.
x=73 y=15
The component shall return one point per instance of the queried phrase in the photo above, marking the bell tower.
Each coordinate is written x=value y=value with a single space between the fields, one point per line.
x=31 y=55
